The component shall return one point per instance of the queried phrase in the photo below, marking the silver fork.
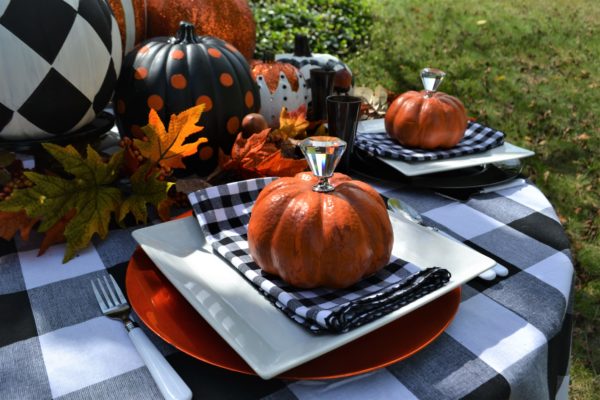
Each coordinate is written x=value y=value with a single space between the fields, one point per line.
x=113 y=305
x=401 y=208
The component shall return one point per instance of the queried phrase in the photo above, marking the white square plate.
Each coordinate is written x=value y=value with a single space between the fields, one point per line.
x=505 y=152
x=262 y=335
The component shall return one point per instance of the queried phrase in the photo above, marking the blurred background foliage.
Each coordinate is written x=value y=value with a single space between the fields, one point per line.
x=338 y=27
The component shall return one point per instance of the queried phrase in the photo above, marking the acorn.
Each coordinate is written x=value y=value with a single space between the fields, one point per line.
x=342 y=81
x=253 y=123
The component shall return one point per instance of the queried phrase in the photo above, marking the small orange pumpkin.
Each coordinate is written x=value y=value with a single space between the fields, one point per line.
x=427 y=119
x=312 y=239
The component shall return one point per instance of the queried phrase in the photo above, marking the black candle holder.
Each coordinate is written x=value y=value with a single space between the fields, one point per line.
x=342 y=120
x=321 y=85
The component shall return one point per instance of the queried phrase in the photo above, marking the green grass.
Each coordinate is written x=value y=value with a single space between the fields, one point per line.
x=531 y=69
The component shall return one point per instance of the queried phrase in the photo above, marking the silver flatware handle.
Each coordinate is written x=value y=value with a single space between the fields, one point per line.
x=502 y=186
x=168 y=381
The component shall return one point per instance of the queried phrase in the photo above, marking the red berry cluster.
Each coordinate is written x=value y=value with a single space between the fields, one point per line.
x=134 y=158
x=18 y=181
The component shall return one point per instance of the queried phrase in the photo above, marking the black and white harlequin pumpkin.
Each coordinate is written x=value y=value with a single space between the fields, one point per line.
x=280 y=85
x=303 y=59
x=171 y=75
x=59 y=63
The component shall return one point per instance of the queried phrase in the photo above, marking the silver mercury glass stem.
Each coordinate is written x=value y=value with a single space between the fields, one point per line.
x=432 y=78
x=323 y=153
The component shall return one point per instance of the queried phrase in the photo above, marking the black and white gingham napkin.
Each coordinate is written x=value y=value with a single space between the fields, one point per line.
x=224 y=212
x=478 y=138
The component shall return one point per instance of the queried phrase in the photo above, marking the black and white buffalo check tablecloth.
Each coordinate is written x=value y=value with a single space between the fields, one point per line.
x=509 y=339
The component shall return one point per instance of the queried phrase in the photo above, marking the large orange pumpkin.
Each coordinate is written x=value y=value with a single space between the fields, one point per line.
x=313 y=239
x=230 y=20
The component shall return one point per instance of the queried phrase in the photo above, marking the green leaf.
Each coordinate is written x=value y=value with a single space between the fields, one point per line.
x=89 y=193
x=6 y=158
x=146 y=189
x=5 y=177
x=94 y=208
x=91 y=169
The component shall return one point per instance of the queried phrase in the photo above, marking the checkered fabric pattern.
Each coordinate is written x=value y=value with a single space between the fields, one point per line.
x=477 y=139
x=224 y=213
x=509 y=339
x=59 y=63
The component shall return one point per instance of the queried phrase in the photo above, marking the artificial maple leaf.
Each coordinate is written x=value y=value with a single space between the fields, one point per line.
x=258 y=156
x=291 y=124
x=166 y=147
x=6 y=158
x=12 y=222
x=248 y=153
x=130 y=160
x=89 y=193
x=145 y=188
x=164 y=208
x=277 y=165
x=56 y=233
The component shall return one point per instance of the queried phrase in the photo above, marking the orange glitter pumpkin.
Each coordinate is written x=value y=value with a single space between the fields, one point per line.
x=312 y=239
x=230 y=20
x=131 y=18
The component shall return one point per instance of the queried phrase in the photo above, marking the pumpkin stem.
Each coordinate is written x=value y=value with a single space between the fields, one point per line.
x=431 y=78
x=186 y=33
x=268 y=56
x=301 y=46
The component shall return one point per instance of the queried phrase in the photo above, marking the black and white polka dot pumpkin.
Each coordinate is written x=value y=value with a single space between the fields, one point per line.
x=305 y=60
x=280 y=85
x=59 y=64
x=172 y=74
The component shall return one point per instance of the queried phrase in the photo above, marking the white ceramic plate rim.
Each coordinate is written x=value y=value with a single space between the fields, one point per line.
x=261 y=334
x=505 y=152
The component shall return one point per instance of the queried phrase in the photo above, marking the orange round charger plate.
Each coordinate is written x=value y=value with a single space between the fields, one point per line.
x=166 y=312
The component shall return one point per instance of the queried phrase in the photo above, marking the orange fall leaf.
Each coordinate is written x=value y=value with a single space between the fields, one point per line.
x=166 y=147
x=277 y=165
x=257 y=156
x=292 y=124
x=12 y=222
x=56 y=234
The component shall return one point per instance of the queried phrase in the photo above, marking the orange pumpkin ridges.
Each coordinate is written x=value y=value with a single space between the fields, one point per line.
x=313 y=239
x=438 y=121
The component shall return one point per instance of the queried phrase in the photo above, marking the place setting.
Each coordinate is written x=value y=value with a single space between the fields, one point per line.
x=476 y=160
x=246 y=260
x=207 y=260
